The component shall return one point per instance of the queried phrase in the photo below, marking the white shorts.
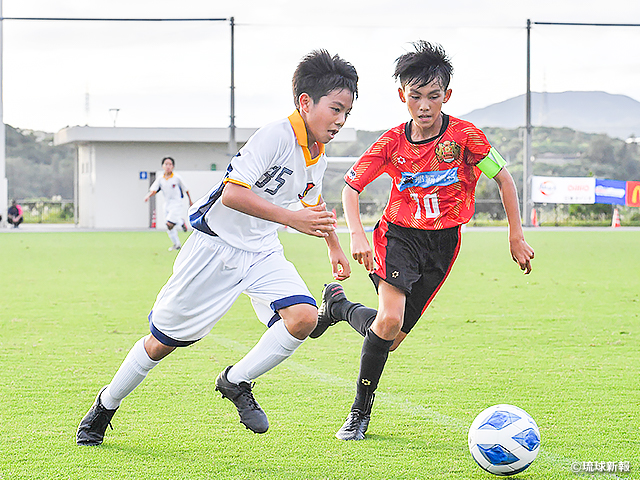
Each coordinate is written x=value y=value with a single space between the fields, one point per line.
x=173 y=212
x=209 y=275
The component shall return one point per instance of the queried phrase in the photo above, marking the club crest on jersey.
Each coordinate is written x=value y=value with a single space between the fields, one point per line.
x=310 y=185
x=447 y=151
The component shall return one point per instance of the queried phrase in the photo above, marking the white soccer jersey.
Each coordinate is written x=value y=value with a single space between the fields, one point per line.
x=275 y=164
x=173 y=188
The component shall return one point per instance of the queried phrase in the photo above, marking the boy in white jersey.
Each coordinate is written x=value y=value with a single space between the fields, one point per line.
x=174 y=190
x=235 y=249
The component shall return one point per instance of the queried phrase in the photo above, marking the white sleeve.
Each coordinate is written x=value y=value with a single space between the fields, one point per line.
x=256 y=157
x=155 y=186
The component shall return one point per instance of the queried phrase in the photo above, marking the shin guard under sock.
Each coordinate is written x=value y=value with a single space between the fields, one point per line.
x=375 y=352
x=131 y=373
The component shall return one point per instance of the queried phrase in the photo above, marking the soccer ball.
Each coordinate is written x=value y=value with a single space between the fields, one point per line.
x=504 y=440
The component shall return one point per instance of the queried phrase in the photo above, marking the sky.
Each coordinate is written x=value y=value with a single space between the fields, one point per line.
x=177 y=74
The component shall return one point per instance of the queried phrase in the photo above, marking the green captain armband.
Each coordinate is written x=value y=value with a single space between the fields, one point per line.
x=492 y=163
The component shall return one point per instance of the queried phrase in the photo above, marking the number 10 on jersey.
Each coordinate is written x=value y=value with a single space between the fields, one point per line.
x=427 y=204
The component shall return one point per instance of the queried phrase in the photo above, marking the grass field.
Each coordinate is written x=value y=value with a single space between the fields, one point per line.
x=563 y=343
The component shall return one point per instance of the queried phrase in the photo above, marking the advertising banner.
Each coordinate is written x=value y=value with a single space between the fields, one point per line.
x=633 y=194
x=563 y=189
x=610 y=191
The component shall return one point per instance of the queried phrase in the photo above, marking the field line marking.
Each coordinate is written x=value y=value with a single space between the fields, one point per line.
x=399 y=401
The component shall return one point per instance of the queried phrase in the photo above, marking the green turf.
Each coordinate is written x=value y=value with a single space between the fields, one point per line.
x=561 y=343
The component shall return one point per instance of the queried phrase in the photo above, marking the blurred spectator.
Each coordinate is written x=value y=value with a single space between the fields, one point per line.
x=14 y=214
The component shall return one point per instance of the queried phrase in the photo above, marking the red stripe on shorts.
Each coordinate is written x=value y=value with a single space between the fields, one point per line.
x=453 y=260
x=380 y=248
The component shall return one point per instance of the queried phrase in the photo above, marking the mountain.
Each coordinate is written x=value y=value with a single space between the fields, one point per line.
x=592 y=112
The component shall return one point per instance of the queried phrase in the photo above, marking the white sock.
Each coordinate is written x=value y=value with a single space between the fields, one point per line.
x=173 y=235
x=131 y=373
x=275 y=346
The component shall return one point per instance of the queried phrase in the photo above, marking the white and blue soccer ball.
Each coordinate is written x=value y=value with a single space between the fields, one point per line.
x=504 y=440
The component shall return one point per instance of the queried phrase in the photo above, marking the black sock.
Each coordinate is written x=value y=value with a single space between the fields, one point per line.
x=375 y=351
x=358 y=316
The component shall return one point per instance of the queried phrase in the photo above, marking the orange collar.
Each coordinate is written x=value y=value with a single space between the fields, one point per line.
x=167 y=178
x=300 y=130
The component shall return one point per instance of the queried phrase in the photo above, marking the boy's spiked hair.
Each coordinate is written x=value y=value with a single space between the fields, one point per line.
x=319 y=73
x=429 y=62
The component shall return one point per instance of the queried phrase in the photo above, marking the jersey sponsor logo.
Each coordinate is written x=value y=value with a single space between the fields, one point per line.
x=447 y=151
x=310 y=185
x=439 y=178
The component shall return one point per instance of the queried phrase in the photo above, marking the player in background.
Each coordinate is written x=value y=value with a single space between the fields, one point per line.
x=435 y=161
x=235 y=249
x=171 y=184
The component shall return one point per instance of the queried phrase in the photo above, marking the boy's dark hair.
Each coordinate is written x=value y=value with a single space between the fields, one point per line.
x=173 y=162
x=318 y=74
x=429 y=62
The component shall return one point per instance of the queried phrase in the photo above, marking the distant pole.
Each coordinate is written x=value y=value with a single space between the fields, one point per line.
x=232 y=128
x=526 y=161
x=4 y=184
x=233 y=146
x=527 y=204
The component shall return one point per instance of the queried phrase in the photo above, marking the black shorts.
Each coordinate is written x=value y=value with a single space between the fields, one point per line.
x=415 y=261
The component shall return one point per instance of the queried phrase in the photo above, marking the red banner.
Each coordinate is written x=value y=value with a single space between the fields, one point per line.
x=633 y=194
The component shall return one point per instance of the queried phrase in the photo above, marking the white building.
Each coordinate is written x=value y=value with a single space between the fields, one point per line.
x=115 y=167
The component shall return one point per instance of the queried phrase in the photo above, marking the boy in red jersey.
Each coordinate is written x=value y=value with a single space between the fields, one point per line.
x=435 y=161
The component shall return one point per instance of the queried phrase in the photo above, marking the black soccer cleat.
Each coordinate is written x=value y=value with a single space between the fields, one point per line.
x=355 y=426
x=357 y=422
x=332 y=293
x=94 y=424
x=251 y=415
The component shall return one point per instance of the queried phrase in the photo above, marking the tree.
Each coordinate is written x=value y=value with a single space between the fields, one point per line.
x=35 y=167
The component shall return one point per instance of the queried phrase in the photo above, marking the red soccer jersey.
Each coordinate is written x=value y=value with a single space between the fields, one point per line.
x=434 y=180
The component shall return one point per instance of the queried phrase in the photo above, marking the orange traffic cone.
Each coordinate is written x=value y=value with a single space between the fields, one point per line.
x=153 y=219
x=534 y=218
x=615 y=221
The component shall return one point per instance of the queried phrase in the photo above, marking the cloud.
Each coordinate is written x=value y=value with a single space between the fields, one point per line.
x=177 y=74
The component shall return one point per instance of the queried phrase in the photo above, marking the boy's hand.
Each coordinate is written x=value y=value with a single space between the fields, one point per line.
x=521 y=253
x=315 y=221
x=339 y=265
x=361 y=251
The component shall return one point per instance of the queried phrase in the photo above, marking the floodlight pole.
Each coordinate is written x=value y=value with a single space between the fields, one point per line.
x=233 y=146
x=526 y=161
x=4 y=184
x=4 y=191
